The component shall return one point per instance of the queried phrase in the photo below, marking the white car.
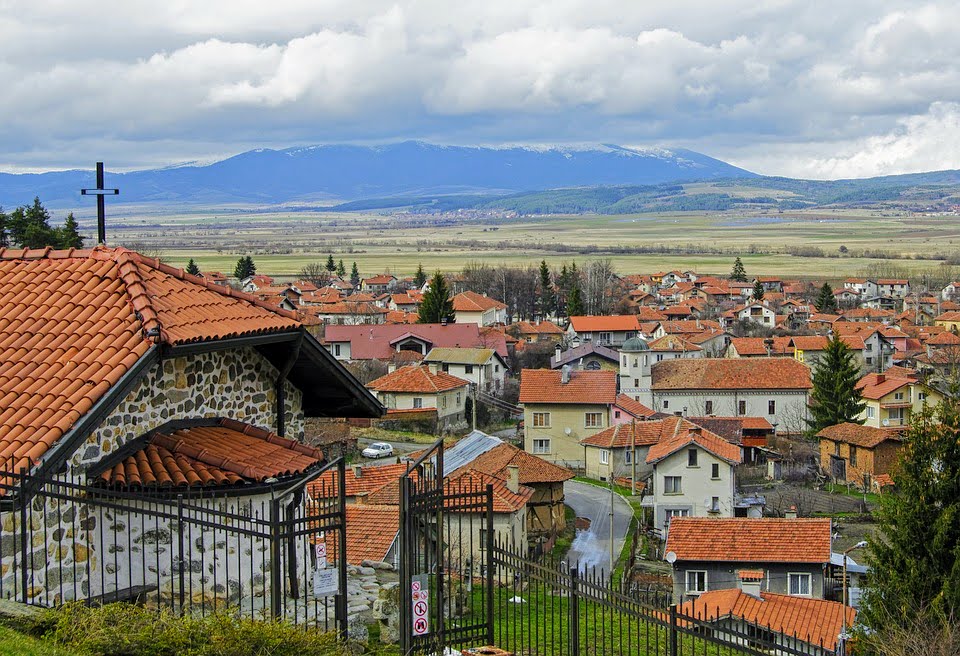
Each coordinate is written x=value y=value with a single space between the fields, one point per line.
x=378 y=450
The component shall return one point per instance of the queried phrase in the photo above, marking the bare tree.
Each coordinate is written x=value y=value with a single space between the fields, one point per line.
x=316 y=273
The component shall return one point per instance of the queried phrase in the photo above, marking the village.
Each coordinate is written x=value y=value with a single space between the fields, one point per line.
x=404 y=461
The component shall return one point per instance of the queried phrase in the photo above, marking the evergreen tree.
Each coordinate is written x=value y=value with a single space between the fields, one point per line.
x=563 y=289
x=757 y=291
x=68 y=235
x=341 y=270
x=575 y=300
x=914 y=556
x=4 y=224
x=547 y=300
x=739 y=274
x=419 y=278
x=30 y=226
x=192 y=268
x=245 y=268
x=331 y=265
x=436 y=304
x=251 y=267
x=835 y=398
x=354 y=275
x=826 y=302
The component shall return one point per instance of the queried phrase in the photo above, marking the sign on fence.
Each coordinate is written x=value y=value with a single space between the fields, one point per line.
x=326 y=582
x=420 y=598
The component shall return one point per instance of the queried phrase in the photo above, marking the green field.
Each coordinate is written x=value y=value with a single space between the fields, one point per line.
x=770 y=243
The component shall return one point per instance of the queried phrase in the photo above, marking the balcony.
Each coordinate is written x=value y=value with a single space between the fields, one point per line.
x=904 y=403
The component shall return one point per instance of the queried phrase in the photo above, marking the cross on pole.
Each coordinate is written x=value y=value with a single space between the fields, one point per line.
x=100 y=192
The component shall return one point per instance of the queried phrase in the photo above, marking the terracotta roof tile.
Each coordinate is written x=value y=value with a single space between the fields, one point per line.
x=641 y=433
x=371 y=531
x=672 y=343
x=876 y=386
x=230 y=453
x=751 y=346
x=815 y=621
x=614 y=323
x=377 y=341
x=545 y=386
x=730 y=373
x=474 y=302
x=766 y=540
x=863 y=436
x=687 y=433
x=496 y=461
x=416 y=379
x=471 y=480
x=634 y=407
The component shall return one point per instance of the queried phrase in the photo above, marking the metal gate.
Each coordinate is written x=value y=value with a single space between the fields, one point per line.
x=446 y=558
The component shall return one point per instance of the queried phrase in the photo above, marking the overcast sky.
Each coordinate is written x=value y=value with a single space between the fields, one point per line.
x=846 y=88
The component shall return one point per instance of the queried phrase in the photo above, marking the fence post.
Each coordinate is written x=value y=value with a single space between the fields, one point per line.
x=489 y=582
x=181 y=574
x=24 y=549
x=574 y=607
x=673 y=631
x=276 y=579
x=341 y=600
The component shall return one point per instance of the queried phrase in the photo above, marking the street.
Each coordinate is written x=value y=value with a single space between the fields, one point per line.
x=591 y=548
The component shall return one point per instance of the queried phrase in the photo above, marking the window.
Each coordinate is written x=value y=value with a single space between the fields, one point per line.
x=659 y=357
x=696 y=581
x=624 y=361
x=799 y=584
x=541 y=446
x=468 y=368
x=692 y=458
x=666 y=404
x=604 y=337
x=336 y=350
x=670 y=514
x=714 y=505
x=741 y=408
x=458 y=398
x=871 y=413
x=869 y=361
x=836 y=449
x=922 y=396
x=541 y=420
x=417 y=402
x=604 y=456
x=616 y=414
x=853 y=455
x=715 y=470
x=593 y=420
x=771 y=407
x=628 y=456
x=898 y=396
x=708 y=407
x=443 y=401
x=671 y=485
x=496 y=368
x=636 y=382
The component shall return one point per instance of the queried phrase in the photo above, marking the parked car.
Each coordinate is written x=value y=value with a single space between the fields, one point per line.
x=378 y=450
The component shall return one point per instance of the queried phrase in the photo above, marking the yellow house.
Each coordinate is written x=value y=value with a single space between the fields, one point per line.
x=949 y=320
x=560 y=408
x=894 y=397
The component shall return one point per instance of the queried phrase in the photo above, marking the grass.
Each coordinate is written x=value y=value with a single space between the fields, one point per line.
x=13 y=643
x=873 y=500
x=382 y=435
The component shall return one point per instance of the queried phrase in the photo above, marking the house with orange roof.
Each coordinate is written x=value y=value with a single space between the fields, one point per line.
x=416 y=387
x=893 y=398
x=480 y=309
x=949 y=320
x=621 y=450
x=693 y=474
x=809 y=348
x=560 y=408
x=536 y=332
x=610 y=331
x=350 y=313
x=378 y=284
x=851 y=453
x=127 y=375
x=862 y=286
x=791 y=555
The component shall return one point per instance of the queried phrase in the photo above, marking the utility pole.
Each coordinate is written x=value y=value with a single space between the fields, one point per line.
x=633 y=457
x=474 y=407
x=100 y=192
x=611 y=517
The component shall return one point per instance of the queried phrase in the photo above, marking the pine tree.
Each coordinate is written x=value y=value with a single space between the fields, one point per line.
x=757 y=291
x=547 y=298
x=835 y=398
x=341 y=270
x=30 y=226
x=419 y=278
x=739 y=274
x=4 y=224
x=436 y=304
x=251 y=267
x=914 y=556
x=826 y=302
x=575 y=301
x=68 y=235
x=354 y=275
x=331 y=265
x=192 y=268
x=245 y=268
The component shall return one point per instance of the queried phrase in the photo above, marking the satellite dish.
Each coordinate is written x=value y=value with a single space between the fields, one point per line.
x=671 y=557
x=567 y=430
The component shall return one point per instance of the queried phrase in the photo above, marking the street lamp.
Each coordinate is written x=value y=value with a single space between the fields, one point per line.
x=843 y=634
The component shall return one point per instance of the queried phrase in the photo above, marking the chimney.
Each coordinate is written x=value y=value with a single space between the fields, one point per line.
x=750 y=582
x=565 y=374
x=881 y=378
x=791 y=514
x=357 y=473
x=513 y=478
x=695 y=430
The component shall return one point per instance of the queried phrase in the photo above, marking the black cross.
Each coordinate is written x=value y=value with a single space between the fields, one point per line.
x=100 y=192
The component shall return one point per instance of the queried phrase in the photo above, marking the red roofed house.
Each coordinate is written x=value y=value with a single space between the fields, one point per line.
x=416 y=387
x=128 y=375
x=382 y=342
x=378 y=284
x=851 y=453
x=605 y=330
x=894 y=397
x=707 y=554
x=482 y=310
x=560 y=408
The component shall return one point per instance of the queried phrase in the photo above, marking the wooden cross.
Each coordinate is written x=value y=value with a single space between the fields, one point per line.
x=100 y=192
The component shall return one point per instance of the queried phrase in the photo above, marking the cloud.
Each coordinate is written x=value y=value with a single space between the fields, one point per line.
x=772 y=84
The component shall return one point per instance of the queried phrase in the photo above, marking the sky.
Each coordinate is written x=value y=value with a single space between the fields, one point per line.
x=807 y=88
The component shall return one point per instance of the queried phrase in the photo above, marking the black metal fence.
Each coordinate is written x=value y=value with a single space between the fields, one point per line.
x=257 y=551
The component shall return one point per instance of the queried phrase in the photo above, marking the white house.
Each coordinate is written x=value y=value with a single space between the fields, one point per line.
x=693 y=474
x=482 y=367
x=638 y=355
x=607 y=331
x=417 y=388
x=757 y=312
x=471 y=307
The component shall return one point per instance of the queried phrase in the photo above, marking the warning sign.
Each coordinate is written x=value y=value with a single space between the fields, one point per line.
x=322 y=552
x=420 y=598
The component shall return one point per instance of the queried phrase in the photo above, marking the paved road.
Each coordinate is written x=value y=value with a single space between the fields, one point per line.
x=399 y=449
x=591 y=548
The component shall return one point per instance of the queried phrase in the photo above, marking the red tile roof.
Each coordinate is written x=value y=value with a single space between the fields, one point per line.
x=862 y=436
x=474 y=302
x=641 y=433
x=497 y=460
x=544 y=386
x=687 y=434
x=815 y=621
x=72 y=323
x=730 y=373
x=634 y=407
x=876 y=386
x=731 y=428
x=614 y=323
x=369 y=342
x=673 y=343
x=229 y=453
x=542 y=328
x=751 y=346
x=465 y=481
x=416 y=379
x=944 y=338
x=766 y=540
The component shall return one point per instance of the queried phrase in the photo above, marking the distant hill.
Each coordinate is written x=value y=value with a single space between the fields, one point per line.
x=410 y=168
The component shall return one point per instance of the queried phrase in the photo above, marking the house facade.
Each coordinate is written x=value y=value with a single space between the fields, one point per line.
x=894 y=397
x=471 y=307
x=610 y=331
x=415 y=387
x=482 y=367
x=851 y=453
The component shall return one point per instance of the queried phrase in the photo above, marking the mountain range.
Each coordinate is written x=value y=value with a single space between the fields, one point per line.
x=347 y=172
